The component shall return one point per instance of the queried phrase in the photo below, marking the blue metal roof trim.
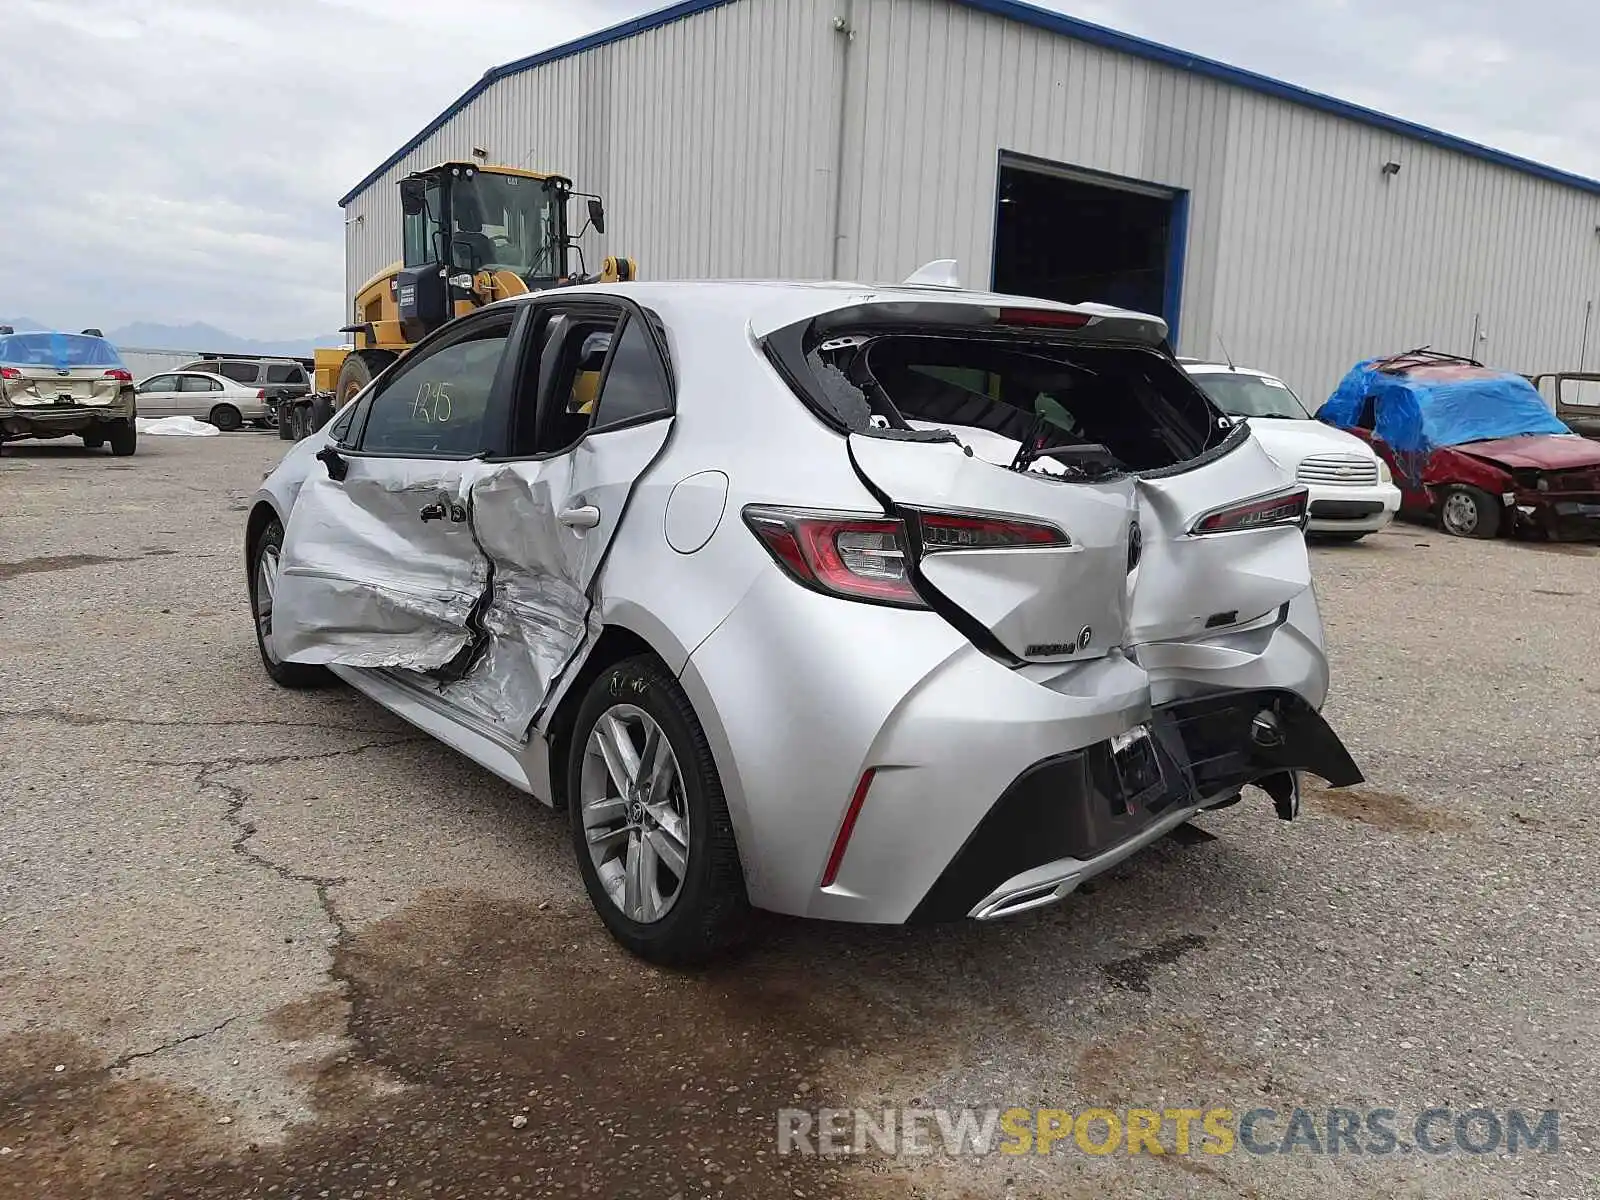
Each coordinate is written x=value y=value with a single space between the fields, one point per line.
x=1054 y=22
x=616 y=33
x=1110 y=39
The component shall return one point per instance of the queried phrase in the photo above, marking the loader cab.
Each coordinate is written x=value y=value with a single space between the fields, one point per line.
x=467 y=226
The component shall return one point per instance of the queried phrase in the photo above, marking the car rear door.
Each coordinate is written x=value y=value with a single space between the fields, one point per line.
x=598 y=414
x=380 y=568
x=197 y=395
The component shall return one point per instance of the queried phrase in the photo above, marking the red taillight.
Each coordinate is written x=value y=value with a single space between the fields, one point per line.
x=1287 y=507
x=841 y=840
x=261 y=393
x=1051 y=317
x=120 y=375
x=951 y=531
x=841 y=554
x=10 y=373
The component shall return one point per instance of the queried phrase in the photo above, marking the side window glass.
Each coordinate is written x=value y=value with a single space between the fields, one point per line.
x=195 y=383
x=634 y=386
x=421 y=236
x=576 y=383
x=161 y=383
x=239 y=372
x=284 y=373
x=439 y=403
x=339 y=431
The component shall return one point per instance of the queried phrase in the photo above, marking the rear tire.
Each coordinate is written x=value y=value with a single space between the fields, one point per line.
x=354 y=374
x=226 y=418
x=1468 y=512
x=124 y=438
x=319 y=412
x=672 y=800
x=264 y=561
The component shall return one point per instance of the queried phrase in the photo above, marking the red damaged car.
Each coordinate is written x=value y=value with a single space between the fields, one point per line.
x=1475 y=448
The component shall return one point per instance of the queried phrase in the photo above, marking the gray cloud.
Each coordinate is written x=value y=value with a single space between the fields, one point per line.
x=180 y=160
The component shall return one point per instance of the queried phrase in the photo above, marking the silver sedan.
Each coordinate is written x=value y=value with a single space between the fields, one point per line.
x=878 y=604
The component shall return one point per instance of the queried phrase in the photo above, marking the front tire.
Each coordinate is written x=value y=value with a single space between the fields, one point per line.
x=124 y=437
x=226 y=418
x=1468 y=512
x=264 y=564
x=650 y=825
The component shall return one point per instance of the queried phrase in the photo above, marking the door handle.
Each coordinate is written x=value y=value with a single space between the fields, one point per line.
x=585 y=516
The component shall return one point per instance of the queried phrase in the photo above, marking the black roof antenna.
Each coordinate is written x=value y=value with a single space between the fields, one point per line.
x=1225 y=353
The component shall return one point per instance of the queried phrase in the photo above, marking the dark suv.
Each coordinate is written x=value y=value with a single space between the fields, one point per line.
x=280 y=378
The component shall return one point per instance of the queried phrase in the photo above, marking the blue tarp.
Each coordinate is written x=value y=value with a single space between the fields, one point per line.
x=1416 y=415
x=59 y=350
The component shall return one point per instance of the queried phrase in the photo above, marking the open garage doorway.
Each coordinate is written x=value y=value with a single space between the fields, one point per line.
x=1066 y=234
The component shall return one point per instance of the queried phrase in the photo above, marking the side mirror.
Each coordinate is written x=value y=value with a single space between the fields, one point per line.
x=597 y=215
x=411 y=197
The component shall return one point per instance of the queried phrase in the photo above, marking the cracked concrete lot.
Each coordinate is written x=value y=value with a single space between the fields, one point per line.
x=255 y=943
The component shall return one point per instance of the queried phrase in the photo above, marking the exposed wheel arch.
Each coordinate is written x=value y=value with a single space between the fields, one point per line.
x=262 y=515
x=614 y=645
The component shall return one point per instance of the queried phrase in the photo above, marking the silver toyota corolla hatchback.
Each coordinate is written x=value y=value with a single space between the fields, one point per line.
x=864 y=603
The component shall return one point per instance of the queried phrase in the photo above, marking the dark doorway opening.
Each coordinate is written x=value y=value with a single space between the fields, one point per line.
x=1067 y=235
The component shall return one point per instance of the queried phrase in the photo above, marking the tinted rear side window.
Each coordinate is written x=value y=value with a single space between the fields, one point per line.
x=239 y=372
x=285 y=373
x=634 y=386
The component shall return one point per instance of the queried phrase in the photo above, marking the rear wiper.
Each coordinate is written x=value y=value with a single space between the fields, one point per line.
x=1087 y=460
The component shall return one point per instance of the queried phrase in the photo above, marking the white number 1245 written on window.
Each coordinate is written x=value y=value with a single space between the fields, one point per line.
x=432 y=403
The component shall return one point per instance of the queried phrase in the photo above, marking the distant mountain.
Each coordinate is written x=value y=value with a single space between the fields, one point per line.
x=197 y=336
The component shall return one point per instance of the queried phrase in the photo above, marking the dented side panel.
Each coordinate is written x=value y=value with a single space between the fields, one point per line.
x=1187 y=587
x=365 y=581
x=531 y=522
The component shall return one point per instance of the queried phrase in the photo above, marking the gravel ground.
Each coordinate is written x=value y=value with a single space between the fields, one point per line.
x=260 y=943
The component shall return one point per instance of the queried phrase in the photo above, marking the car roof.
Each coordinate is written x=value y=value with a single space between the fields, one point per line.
x=1196 y=366
x=774 y=303
x=188 y=371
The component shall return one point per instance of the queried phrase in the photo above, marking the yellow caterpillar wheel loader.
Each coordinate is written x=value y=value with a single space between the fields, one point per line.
x=471 y=234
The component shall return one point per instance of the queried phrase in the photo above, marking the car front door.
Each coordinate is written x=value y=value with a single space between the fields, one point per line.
x=158 y=396
x=589 y=421
x=380 y=568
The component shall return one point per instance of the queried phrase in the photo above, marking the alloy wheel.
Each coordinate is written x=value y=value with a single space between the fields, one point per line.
x=635 y=814
x=266 y=591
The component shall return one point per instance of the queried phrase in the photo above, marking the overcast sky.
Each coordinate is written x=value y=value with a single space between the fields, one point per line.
x=181 y=160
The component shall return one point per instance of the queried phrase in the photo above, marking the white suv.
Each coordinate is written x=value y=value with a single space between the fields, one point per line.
x=1352 y=492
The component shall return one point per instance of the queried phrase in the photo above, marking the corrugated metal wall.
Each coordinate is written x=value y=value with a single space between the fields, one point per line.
x=712 y=140
x=715 y=140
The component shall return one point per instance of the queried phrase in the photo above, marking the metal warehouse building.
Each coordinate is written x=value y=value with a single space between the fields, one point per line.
x=859 y=139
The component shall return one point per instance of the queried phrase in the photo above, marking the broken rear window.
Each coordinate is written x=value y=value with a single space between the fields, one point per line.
x=1030 y=403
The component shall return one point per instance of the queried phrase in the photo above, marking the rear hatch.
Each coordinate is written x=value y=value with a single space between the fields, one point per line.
x=60 y=370
x=1063 y=487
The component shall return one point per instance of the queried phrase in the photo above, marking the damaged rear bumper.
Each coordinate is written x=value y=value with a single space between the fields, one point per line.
x=1067 y=818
